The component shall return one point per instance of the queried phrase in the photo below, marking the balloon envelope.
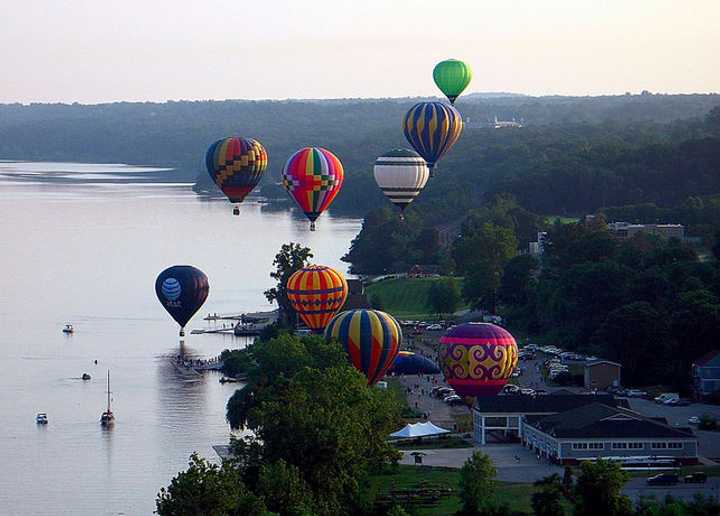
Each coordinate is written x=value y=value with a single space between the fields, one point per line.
x=412 y=363
x=236 y=165
x=401 y=174
x=182 y=290
x=478 y=358
x=432 y=128
x=316 y=292
x=313 y=177
x=452 y=77
x=371 y=339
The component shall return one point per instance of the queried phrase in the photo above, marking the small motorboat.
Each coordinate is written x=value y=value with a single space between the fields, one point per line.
x=68 y=329
x=41 y=418
x=85 y=376
x=107 y=419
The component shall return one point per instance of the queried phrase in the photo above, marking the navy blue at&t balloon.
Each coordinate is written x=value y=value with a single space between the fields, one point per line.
x=182 y=290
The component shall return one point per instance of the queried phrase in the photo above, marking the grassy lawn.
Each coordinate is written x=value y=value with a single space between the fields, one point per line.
x=405 y=298
x=516 y=496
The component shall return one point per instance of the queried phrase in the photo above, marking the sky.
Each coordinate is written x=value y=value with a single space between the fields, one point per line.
x=93 y=51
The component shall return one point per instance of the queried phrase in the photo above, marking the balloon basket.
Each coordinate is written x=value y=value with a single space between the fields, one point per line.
x=312 y=226
x=182 y=333
x=236 y=210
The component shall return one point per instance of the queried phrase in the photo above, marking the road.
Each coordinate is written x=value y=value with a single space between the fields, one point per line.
x=637 y=488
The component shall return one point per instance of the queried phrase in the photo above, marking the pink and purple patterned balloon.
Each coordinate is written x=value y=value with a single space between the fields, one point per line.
x=478 y=358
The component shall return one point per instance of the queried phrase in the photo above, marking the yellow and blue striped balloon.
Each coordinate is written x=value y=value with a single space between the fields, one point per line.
x=371 y=339
x=432 y=128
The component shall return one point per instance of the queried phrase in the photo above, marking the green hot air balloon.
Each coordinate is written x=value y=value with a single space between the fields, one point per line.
x=452 y=77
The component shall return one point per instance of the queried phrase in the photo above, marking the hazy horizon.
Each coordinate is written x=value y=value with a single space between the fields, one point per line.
x=90 y=52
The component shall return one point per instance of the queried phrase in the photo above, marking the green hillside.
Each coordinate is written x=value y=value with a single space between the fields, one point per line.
x=406 y=298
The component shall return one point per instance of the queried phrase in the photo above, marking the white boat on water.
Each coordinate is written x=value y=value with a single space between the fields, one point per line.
x=107 y=418
x=41 y=418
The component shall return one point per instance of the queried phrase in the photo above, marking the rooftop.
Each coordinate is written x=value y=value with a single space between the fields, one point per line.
x=599 y=420
x=542 y=404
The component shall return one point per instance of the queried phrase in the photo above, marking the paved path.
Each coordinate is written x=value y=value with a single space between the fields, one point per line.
x=513 y=462
x=637 y=488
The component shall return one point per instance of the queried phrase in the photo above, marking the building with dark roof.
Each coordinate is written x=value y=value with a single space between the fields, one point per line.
x=706 y=375
x=601 y=374
x=596 y=431
x=501 y=416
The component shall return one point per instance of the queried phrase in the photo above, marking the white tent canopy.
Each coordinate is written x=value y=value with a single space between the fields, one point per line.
x=419 y=430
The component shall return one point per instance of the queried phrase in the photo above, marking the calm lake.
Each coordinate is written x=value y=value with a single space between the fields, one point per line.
x=83 y=244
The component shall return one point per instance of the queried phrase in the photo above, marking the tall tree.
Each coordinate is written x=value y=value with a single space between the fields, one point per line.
x=206 y=489
x=445 y=296
x=482 y=254
x=291 y=258
x=599 y=490
x=547 y=501
x=477 y=483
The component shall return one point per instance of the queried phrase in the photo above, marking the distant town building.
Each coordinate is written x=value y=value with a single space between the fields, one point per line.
x=423 y=271
x=598 y=431
x=501 y=124
x=706 y=375
x=601 y=374
x=666 y=231
x=538 y=248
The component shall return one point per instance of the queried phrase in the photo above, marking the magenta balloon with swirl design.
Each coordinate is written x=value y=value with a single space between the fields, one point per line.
x=478 y=358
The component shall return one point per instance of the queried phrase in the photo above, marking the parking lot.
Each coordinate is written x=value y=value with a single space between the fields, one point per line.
x=637 y=488
x=678 y=416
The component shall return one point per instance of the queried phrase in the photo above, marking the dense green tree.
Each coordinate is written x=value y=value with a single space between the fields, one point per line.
x=477 y=483
x=312 y=410
x=291 y=258
x=445 y=297
x=547 y=501
x=481 y=254
x=598 y=490
x=284 y=490
x=206 y=489
x=634 y=334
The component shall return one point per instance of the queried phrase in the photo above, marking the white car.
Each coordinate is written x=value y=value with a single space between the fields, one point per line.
x=635 y=393
x=527 y=392
x=434 y=327
x=693 y=420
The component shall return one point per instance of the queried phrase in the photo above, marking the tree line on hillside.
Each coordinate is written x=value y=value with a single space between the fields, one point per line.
x=607 y=145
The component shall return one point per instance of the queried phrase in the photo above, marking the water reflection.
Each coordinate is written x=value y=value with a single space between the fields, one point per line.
x=89 y=255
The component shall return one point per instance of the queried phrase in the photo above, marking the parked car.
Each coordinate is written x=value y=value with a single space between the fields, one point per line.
x=454 y=400
x=664 y=479
x=540 y=391
x=451 y=397
x=511 y=389
x=665 y=396
x=693 y=420
x=677 y=402
x=527 y=392
x=443 y=392
x=698 y=477
x=635 y=393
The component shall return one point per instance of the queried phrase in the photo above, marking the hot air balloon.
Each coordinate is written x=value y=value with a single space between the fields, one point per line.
x=236 y=165
x=401 y=174
x=371 y=339
x=452 y=77
x=313 y=177
x=182 y=290
x=477 y=359
x=408 y=362
x=316 y=292
x=432 y=128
